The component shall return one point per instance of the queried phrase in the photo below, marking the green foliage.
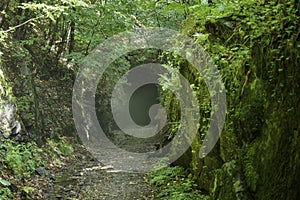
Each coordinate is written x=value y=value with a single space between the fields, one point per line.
x=4 y=182
x=172 y=183
x=160 y=177
x=253 y=43
x=25 y=105
x=22 y=159
x=55 y=10
x=5 y=193
x=3 y=37
x=27 y=191
x=172 y=83
x=61 y=147
x=5 y=88
x=255 y=46
x=250 y=167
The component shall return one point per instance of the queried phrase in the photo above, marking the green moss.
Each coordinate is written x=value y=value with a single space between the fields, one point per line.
x=221 y=184
x=258 y=60
x=250 y=168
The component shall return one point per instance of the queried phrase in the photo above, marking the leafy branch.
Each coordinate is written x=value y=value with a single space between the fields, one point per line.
x=22 y=24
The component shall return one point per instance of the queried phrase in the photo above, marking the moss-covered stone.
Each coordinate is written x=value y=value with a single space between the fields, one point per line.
x=258 y=153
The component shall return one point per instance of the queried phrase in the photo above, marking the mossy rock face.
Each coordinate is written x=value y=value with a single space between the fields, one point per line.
x=228 y=183
x=208 y=166
x=207 y=173
x=276 y=158
x=184 y=160
x=228 y=144
x=260 y=142
x=222 y=184
x=250 y=163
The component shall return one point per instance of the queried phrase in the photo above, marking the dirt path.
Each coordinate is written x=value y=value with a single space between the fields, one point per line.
x=87 y=178
x=98 y=182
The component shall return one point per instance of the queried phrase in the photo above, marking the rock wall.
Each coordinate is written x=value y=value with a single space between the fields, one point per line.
x=257 y=156
x=9 y=124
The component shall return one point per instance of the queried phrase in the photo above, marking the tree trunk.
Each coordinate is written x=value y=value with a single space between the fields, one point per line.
x=3 y=8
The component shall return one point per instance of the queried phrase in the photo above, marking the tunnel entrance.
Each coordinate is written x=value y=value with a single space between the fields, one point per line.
x=141 y=101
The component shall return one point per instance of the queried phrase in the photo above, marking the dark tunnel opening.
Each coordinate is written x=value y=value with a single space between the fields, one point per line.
x=141 y=101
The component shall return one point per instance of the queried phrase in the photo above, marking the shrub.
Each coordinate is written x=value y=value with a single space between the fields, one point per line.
x=172 y=183
x=22 y=159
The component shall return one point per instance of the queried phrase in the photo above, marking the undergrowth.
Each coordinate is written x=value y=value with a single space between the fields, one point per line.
x=173 y=183
x=21 y=159
x=18 y=163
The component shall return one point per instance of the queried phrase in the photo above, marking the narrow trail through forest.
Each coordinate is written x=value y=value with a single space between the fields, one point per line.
x=89 y=178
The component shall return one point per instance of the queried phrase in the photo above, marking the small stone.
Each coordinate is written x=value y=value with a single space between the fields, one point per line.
x=107 y=167
x=41 y=171
x=52 y=177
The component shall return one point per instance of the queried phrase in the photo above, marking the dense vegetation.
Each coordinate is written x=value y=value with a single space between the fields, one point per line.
x=254 y=44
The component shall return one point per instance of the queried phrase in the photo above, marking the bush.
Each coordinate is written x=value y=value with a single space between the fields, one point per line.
x=22 y=159
x=172 y=183
x=61 y=147
x=5 y=193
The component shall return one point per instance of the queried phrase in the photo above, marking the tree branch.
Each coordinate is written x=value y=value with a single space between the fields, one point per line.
x=26 y=22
